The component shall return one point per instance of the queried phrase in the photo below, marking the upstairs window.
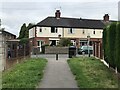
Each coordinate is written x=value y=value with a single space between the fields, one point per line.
x=94 y=32
x=83 y=31
x=70 y=31
x=38 y=43
x=54 y=29
x=40 y=30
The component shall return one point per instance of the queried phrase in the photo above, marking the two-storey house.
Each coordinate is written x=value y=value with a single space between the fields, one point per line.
x=50 y=30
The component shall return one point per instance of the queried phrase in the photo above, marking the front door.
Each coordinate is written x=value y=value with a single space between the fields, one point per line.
x=53 y=43
x=40 y=43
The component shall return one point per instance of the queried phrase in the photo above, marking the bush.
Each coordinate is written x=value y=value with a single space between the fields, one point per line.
x=24 y=40
x=65 y=42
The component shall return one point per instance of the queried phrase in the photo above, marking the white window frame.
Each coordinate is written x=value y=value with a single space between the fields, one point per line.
x=40 y=30
x=70 y=32
x=94 y=32
x=55 y=30
x=83 y=31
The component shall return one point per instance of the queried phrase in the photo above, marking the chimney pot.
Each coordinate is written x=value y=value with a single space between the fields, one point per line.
x=57 y=14
x=106 y=17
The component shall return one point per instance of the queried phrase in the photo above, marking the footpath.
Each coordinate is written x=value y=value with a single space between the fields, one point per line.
x=57 y=73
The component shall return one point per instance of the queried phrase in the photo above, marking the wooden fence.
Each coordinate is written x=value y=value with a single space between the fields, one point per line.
x=17 y=55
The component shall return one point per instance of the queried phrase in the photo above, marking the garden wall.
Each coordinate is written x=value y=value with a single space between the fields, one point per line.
x=54 y=50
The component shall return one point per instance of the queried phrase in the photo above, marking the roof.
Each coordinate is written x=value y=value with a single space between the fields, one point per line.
x=14 y=40
x=71 y=23
x=3 y=31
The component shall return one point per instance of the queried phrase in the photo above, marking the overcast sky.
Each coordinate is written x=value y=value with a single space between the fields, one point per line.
x=16 y=12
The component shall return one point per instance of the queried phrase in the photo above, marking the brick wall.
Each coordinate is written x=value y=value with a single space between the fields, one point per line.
x=54 y=50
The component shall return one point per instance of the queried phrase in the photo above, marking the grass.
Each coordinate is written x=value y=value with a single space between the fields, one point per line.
x=91 y=73
x=24 y=75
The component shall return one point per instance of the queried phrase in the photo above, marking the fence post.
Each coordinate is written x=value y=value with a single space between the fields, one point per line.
x=17 y=52
x=24 y=51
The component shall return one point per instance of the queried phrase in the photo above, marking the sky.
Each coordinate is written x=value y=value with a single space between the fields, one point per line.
x=119 y=11
x=13 y=13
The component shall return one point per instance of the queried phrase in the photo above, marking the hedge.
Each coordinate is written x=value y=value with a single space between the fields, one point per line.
x=105 y=43
x=111 y=44
x=117 y=60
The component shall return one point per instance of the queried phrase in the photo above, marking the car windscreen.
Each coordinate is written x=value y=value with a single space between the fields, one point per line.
x=87 y=47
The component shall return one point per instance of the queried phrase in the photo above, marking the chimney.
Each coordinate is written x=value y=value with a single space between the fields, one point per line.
x=106 y=17
x=57 y=14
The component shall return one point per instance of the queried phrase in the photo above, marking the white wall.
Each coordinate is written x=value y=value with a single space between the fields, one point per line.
x=98 y=33
x=32 y=32
x=46 y=32
x=64 y=32
x=78 y=33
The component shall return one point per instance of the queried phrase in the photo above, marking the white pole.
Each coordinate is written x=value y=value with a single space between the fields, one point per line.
x=88 y=37
x=88 y=48
x=0 y=24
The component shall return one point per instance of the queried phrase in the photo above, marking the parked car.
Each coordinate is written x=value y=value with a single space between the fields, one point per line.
x=84 y=49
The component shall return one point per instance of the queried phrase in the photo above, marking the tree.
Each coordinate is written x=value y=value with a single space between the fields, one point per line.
x=22 y=32
x=65 y=42
x=27 y=30
x=24 y=41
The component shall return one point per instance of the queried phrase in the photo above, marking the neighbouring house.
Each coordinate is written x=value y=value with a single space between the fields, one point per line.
x=4 y=37
x=50 y=30
x=11 y=49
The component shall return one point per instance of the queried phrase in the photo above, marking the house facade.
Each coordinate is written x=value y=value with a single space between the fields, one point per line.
x=50 y=30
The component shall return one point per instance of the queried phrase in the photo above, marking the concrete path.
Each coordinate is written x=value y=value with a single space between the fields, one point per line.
x=57 y=73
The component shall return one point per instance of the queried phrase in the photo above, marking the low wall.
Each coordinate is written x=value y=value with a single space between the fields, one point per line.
x=54 y=50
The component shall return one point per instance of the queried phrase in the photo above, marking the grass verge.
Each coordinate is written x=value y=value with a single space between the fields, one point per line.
x=24 y=75
x=91 y=73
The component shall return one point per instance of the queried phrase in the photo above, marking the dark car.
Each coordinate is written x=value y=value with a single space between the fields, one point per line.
x=84 y=49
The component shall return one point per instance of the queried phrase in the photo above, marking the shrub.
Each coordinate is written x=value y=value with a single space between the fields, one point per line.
x=24 y=40
x=65 y=42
